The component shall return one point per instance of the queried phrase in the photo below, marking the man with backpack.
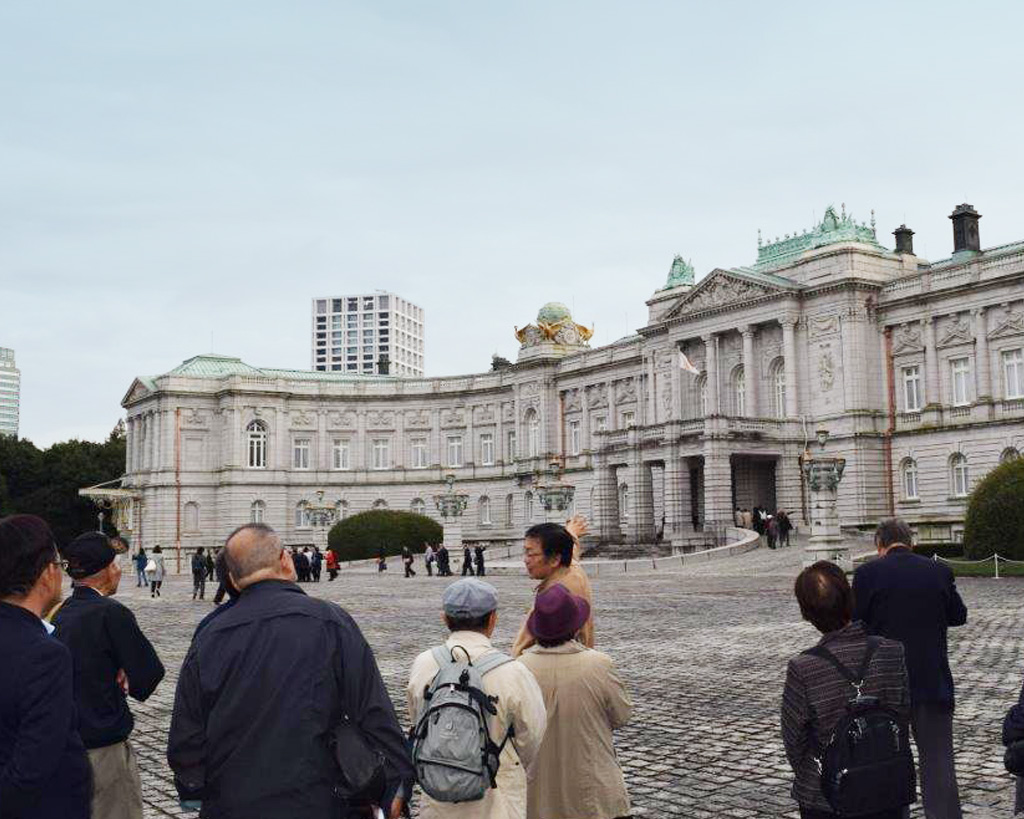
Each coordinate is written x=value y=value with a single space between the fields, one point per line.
x=463 y=686
x=845 y=710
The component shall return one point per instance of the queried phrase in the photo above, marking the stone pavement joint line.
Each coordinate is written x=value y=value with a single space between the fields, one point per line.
x=703 y=652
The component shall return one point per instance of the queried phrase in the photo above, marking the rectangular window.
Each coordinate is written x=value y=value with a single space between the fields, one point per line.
x=574 y=437
x=381 y=453
x=600 y=423
x=454 y=450
x=1013 y=373
x=959 y=372
x=912 y=389
x=628 y=420
x=300 y=454
x=339 y=453
x=418 y=450
x=511 y=446
x=321 y=306
x=487 y=449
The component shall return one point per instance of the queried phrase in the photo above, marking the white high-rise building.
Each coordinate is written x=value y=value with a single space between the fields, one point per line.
x=10 y=392
x=351 y=334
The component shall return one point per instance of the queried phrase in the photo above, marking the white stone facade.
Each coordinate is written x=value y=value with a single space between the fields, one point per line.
x=822 y=332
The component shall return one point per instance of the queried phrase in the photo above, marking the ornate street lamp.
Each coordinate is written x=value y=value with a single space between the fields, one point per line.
x=321 y=516
x=451 y=505
x=823 y=475
x=555 y=494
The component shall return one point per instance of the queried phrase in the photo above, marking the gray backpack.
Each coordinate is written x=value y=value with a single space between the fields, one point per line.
x=455 y=758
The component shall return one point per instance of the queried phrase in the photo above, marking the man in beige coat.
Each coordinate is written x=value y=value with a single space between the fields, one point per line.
x=577 y=774
x=470 y=611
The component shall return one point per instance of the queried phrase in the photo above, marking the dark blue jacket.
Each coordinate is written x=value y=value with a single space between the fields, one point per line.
x=912 y=599
x=262 y=686
x=44 y=772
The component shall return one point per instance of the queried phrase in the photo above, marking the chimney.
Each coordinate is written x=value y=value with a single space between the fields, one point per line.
x=904 y=240
x=965 y=228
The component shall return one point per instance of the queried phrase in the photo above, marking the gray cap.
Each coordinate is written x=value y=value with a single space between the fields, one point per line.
x=470 y=598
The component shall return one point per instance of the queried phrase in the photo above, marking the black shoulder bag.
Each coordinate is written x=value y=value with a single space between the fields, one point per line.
x=361 y=767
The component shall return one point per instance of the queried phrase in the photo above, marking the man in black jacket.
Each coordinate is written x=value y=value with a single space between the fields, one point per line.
x=112 y=658
x=44 y=773
x=235 y=744
x=909 y=598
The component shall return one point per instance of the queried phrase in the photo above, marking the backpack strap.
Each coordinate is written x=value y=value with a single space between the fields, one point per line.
x=491 y=661
x=856 y=680
x=442 y=656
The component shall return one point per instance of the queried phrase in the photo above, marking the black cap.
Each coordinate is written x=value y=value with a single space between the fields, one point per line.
x=88 y=554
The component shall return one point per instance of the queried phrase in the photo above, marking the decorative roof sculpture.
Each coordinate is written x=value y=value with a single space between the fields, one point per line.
x=554 y=326
x=680 y=274
x=833 y=229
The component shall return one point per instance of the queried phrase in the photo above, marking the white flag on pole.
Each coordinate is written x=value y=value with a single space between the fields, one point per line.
x=684 y=364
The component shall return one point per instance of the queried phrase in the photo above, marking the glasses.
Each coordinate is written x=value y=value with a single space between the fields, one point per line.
x=58 y=560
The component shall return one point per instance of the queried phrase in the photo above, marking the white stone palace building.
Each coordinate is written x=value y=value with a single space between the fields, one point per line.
x=916 y=370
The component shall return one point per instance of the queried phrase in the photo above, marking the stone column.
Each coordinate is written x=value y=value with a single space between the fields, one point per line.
x=717 y=485
x=931 y=364
x=612 y=421
x=749 y=372
x=606 y=513
x=641 y=528
x=789 y=358
x=982 y=357
x=652 y=389
x=711 y=367
x=677 y=499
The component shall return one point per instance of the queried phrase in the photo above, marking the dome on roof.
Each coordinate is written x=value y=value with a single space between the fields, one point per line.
x=552 y=313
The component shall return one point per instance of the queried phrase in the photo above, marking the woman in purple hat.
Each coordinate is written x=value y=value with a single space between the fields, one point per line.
x=585 y=701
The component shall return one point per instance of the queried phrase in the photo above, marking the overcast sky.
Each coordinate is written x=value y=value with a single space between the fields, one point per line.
x=179 y=178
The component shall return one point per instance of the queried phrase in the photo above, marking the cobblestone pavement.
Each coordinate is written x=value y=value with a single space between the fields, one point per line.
x=703 y=651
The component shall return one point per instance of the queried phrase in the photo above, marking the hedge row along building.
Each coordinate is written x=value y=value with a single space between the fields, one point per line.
x=915 y=368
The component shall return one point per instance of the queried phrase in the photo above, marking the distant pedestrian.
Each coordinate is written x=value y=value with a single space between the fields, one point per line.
x=332 y=565
x=140 y=568
x=1013 y=732
x=112 y=658
x=479 y=555
x=44 y=771
x=199 y=574
x=817 y=693
x=577 y=773
x=316 y=563
x=382 y=561
x=785 y=527
x=226 y=587
x=428 y=559
x=772 y=530
x=444 y=566
x=155 y=571
x=407 y=561
x=220 y=570
x=211 y=564
x=748 y=519
x=467 y=561
x=737 y=517
x=914 y=600
x=245 y=740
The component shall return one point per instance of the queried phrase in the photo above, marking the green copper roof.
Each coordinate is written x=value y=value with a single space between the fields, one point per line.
x=553 y=312
x=681 y=273
x=213 y=366
x=834 y=228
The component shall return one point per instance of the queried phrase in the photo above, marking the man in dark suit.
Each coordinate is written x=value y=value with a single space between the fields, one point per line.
x=909 y=598
x=44 y=772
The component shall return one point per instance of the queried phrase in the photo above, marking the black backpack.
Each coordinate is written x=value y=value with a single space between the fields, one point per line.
x=866 y=766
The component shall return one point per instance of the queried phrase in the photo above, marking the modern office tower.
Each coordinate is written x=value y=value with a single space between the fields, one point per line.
x=10 y=392
x=352 y=334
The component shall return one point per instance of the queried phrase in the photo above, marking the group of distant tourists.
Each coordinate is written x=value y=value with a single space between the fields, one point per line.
x=774 y=527
x=526 y=734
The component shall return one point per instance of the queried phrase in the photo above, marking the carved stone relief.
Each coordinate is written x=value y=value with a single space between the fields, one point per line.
x=597 y=396
x=303 y=420
x=417 y=420
x=822 y=325
x=342 y=420
x=957 y=331
x=1011 y=324
x=907 y=339
x=721 y=291
x=380 y=419
x=826 y=370
x=573 y=401
x=625 y=390
x=453 y=418
x=193 y=418
x=484 y=414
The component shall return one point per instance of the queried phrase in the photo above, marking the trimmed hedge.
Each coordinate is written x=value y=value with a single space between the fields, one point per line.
x=995 y=514
x=947 y=550
x=361 y=536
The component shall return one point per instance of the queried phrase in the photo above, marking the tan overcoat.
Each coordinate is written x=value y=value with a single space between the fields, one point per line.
x=576 y=773
x=576 y=581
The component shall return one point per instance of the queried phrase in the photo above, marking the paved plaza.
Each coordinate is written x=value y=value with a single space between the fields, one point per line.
x=702 y=649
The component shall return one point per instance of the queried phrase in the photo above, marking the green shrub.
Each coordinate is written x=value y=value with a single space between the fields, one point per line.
x=361 y=536
x=947 y=550
x=995 y=514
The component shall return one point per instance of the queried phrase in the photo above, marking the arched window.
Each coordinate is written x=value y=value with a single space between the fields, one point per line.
x=257 y=511
x=419 y=506
x=909 y=479
x=959 y=479
x=301 y=515
x=739 y=387
x=341 y=510
x=777 y=376
x=1009 y=454
x=191 y=516
x=380 y=503
x=532 y=433
x=510 y=505
x=528 y=507
x=701 y=392
x=485 y=511
x=624 y=500
x=257 y=437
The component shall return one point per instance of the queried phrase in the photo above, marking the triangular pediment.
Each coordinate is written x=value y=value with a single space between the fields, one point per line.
x=908 y=339
x=1011 y=325
x=136 y=392
x=724 y=288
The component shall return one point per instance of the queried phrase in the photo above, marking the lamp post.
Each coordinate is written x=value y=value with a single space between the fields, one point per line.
x=555 y=495
x=823 y=474
x=321 y=516
x=451 y=505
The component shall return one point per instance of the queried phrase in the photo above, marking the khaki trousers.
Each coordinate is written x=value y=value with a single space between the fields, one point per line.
x=117 y=789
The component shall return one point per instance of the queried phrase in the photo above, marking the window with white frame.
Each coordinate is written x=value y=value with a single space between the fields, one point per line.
x=485 y=511
x=191 y=516
x=600 y=423
x=256 y=434
x=511 y=446
x=339 y=454
x=510 y=506
x=628 y=419
x=958 y=476
x=300 y=453
x=301 y=516
x=624 y=501
x=340 y=510
x=419 y=506
x=959 y=375
x=257 y=511
x=454 y=450
x=777 y=374
x=912 y=388
x=1009 y=454
x=739 y=386
x=487 y=449
x=418 y=450
x=910 y=479
x=574 y=437
x=381 y=451
x=1013 y=374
